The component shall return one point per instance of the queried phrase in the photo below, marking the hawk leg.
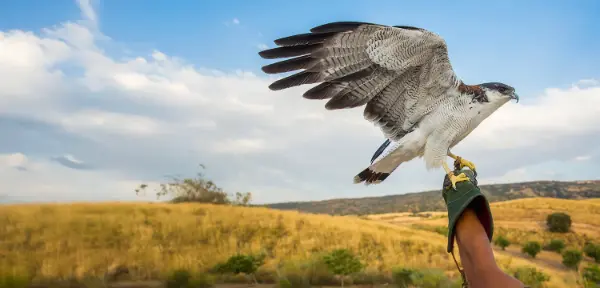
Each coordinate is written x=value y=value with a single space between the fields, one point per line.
x=460 y=162
x=454 y=178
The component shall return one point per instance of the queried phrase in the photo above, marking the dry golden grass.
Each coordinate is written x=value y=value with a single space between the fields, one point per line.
x=524 y=220
x=58 y=241
x=80 y=240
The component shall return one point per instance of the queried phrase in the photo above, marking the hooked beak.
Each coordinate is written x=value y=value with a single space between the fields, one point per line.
x=515 y=96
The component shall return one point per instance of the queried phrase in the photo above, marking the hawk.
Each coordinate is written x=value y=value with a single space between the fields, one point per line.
x=403 y=77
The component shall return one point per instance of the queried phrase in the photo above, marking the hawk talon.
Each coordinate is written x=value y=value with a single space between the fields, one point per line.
x=460 y=163
x=457 y=178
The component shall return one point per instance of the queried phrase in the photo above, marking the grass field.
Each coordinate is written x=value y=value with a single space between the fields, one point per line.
x=521 y=221
x=86 y=240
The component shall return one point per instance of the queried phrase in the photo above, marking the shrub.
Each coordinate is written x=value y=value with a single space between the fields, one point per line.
x=558 y=222
x=555 y=245
x=240 y=263
x=572 y=258
x=430 y=278
x=501 y=242
x=593 y=251
x=532 y=248
x=284 y=283
x=402 y=277
x=531 y=276
x=178 y=279
x=443 y=230
x=342 y=262
x=591 y=275
x=13 y=281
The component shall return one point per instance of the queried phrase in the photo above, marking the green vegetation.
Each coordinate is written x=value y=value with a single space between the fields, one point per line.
x=592 y=250
x=531 y=248
x=342 y=262
x=572 y=258
x=559 y=222
x=197 y=189
x=556 y=245
x=236 y=264
x=531 y=276
x=591 y=275
x=501 y=242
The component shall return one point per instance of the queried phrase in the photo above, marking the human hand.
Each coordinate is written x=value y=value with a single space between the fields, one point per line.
x=466 y=195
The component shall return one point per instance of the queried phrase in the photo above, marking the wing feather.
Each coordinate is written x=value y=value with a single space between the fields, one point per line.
x=400 y=72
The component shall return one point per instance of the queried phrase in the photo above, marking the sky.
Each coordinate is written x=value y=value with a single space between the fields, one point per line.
x=97 y=97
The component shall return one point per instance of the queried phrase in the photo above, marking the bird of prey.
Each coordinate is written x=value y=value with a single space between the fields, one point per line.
x=403 y=77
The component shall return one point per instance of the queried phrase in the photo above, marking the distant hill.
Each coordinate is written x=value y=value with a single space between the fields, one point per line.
x=432 y=200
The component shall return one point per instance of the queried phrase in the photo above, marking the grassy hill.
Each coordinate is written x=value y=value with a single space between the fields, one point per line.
x=86 y=240
x=432 y=200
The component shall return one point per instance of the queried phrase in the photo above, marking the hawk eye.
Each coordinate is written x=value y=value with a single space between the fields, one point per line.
x=501 y=89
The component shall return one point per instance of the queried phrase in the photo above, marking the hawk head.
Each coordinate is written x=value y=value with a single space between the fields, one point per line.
x=496 y=91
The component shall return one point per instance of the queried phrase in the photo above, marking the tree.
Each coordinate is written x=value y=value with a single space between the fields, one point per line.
x=593 y=251
x=591 y=275
x=558 y=222
x=501 y=242
x=531 y=276
x=247 y=264
x=555 y=245
x=572 y=258
x=196 y=189
x=342 y=262
x=532 y=248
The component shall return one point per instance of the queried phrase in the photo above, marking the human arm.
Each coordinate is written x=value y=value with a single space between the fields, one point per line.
x=470 y=222
x=477 y=256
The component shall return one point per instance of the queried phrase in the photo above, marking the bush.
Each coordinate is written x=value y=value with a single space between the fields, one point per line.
x=555 y=245
x=558 y=222
x=572 y=258
x=532 y=248
x=593 y=251
x=247 y=264
x=531 y=276
x=430 y=278
x=197 y=189
x=178 y=279
x=13 y=281
x=591 y=275
x=402 y=277
x=501 y=242
x=342 y=262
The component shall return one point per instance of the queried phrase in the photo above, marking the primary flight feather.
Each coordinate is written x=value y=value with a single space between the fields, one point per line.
x=403 y=77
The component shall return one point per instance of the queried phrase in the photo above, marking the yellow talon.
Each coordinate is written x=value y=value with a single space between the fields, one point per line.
x=460 y=162
x=465 y=163
x=455 y=179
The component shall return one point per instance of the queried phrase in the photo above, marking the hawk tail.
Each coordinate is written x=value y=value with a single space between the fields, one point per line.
x=383 y=163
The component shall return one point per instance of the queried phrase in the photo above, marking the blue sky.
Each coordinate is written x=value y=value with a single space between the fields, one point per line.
x=531 y=45
x=544 y=34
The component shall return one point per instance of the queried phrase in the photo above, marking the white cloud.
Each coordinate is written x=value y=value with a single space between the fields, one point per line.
x=582 y=158
x=262 y=46
x=87 y=10
x=154 y=114
x=235 y=21
x=45 y=181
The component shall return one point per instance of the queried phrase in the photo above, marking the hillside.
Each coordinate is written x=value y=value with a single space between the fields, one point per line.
x=432 y=200
x=84 y=240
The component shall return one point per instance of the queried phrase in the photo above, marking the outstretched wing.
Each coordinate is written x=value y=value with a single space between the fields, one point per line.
x=399 y=72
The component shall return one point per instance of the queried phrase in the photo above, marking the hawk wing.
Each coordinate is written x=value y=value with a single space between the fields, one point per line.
x=399 y=72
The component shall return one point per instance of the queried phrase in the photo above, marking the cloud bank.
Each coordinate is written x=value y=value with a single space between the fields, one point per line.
x=82 y=124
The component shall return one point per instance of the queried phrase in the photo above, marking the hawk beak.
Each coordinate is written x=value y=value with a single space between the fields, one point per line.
x=515 y=96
